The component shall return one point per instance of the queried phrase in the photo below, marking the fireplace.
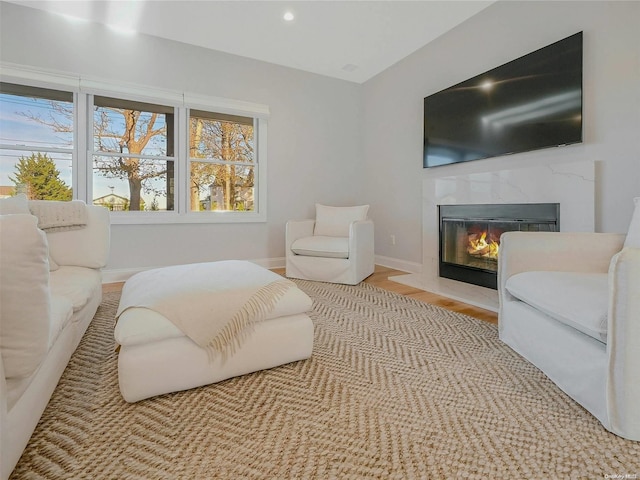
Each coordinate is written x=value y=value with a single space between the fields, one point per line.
x=470 y=236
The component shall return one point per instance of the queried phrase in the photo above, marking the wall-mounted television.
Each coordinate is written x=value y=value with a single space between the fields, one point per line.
x=530 y=103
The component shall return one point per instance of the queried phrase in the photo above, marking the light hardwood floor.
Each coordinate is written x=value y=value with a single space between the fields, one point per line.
x=380 y=278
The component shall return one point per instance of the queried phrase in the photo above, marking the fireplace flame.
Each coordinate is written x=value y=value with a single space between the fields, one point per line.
x=479 y=246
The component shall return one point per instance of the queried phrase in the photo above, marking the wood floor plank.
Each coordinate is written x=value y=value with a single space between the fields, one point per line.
x=380 y=278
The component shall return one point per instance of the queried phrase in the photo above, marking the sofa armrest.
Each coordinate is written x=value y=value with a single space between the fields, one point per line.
x=85 y=247
x=296 y=229
x=623 y=344
x=555 y=251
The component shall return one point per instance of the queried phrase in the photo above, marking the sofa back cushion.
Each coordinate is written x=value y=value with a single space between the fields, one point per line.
x=86 y=247
x=24 y=295
x=20 y=204
x=335 y=221
x=14 y=205
x=633 y=235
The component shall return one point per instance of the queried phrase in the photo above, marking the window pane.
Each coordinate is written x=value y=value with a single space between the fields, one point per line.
x=133 y=184
x=35 y=117
x=122 y=126
x=40 y=175
x=216 y=138
x=222 y=187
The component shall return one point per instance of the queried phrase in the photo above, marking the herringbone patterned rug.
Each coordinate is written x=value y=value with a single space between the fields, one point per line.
x=395 y=389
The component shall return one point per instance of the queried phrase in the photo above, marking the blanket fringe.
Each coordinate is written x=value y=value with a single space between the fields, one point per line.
x=241 y=325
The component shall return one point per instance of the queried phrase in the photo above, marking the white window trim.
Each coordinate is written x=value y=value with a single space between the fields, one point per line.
x=83 y=87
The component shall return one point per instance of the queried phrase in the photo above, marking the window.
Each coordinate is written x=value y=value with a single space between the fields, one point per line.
x=132 y=155
x=222 y=162
x=150 y=156
x=36 y=142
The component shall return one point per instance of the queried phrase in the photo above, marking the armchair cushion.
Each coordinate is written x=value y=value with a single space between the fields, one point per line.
x=579 y=300
x=335 y=221
x=322 y=246
x=633 y=235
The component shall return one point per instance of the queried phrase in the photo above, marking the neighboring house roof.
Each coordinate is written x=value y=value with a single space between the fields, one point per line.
x=110 y=198
x=7 y=191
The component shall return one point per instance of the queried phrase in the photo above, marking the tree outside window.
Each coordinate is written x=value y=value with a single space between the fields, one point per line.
x=133 y=148
x=222 y=162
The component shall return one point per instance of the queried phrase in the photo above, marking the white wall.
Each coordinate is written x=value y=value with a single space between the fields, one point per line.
x=337 y=142
x=393 y=110
x=314 y=130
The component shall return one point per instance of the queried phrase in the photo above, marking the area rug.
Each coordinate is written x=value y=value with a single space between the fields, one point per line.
x=395 y=389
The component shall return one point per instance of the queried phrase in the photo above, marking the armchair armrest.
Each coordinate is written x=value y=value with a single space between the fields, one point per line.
x=296 y=229
x=361 y=245
x=555 y=251
x=623 y=343
x=361 y=235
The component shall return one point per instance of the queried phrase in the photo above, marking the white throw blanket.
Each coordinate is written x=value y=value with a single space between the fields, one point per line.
x=56 y=216
x=214 y=304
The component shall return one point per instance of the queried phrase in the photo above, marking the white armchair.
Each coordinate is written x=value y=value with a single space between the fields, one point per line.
x=336 y=247
x=570 y=304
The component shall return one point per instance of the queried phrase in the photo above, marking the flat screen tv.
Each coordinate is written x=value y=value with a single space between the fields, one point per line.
x=530 y=103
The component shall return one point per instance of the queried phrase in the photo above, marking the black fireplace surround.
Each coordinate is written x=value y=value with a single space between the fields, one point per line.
x=470 y=236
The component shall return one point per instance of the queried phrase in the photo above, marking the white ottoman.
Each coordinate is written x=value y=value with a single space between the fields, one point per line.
x=155 y=357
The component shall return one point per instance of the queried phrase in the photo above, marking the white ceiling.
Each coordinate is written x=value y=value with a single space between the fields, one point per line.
x=350 y=40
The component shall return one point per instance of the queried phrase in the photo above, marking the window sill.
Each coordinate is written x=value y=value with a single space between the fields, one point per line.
x=161 y=218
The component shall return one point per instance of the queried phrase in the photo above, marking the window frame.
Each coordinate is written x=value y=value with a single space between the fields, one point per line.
x=27 y=147
x=84 y=89
x=92 y=153
x=218 y=161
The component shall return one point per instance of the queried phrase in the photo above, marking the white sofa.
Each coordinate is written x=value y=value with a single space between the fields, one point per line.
x=50 y=289
x=570 y=304
x=336 y=247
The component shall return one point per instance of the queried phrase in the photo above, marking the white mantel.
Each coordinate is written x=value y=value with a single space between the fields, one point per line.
x=572 y=185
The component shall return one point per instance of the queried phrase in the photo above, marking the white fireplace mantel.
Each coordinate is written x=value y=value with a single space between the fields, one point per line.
x=572 y=185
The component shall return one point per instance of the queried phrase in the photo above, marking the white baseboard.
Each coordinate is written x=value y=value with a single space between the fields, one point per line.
x=270 y=263
x=118 y=275
x=397 y=264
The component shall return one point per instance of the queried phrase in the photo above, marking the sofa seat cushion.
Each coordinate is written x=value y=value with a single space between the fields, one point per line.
x=321 y=246
x=61 y=313
x=78 y=284
x=579 y=300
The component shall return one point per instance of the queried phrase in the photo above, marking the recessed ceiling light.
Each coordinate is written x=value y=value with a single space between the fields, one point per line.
x=288 y=16
x=487 y=85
